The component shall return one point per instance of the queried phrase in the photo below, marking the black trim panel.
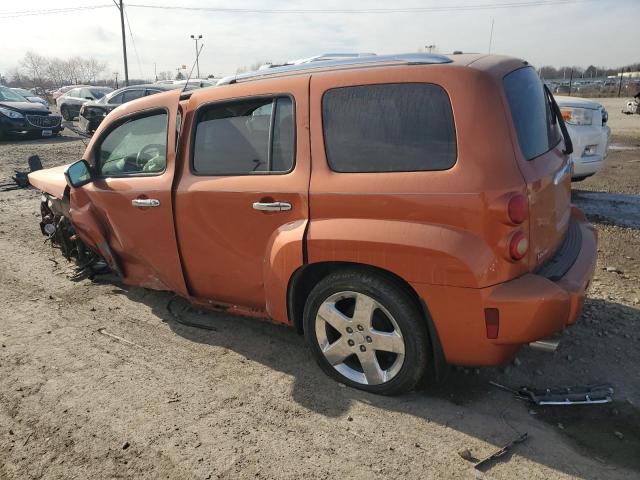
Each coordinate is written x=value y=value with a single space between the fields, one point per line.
x=556 y=267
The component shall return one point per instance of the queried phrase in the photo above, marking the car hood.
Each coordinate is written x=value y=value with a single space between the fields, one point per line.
x=26 y=107
x=50 y=180
x=576 y=102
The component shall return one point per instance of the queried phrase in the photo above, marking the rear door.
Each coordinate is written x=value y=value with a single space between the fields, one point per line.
x=244 y=184
x=131 y=198
x=546 y=169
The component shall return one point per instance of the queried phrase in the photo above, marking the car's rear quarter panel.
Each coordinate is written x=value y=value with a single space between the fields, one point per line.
x=432 y=227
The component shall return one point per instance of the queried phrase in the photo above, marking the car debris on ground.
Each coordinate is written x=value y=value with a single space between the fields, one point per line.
x=486 y=463
x=576 y=395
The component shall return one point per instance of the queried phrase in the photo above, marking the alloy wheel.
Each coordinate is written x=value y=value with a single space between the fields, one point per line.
x=359 y=338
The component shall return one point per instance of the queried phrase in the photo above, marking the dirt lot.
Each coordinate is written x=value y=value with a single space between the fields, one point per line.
x=98 y=380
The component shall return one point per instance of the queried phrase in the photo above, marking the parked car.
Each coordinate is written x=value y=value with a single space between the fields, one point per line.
x=93 y=112
x=70 y=102
x=30 y=96
x=586 y=122
x=62 y=90
x=360 y=200
x=19 y=116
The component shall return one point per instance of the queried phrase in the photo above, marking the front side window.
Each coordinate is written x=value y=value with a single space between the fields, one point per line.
x=129 y=95
x=534 y=122
x=246 y=137
x=116 y=99
x=401 y=127
x=137 y=146
x=86 y=94
x=97 y=92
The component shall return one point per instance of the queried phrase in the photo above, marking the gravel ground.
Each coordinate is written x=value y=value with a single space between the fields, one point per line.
x=98 y=380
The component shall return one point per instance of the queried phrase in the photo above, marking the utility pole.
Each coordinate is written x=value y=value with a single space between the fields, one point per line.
x=124 y=43
x=116 y=74
x=620 y=84
x=196 y=38
x=155 y=70
x=491 y=35
x=429 y=48
x=570 y=81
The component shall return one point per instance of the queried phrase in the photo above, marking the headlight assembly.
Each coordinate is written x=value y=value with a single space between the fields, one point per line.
x=577 y=116
x=7 y=112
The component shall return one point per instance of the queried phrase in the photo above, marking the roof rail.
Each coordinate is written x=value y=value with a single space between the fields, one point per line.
x=399 y=59
x=317 y=58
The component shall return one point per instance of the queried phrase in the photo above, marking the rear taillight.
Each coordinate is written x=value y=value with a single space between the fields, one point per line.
x=518 y=209
x=518 y=245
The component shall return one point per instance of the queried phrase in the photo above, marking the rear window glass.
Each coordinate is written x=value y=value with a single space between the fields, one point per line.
x=535 y=125
x=388 y=128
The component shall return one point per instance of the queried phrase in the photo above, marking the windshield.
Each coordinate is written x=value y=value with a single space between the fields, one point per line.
x=23 y=92
x=8 y=95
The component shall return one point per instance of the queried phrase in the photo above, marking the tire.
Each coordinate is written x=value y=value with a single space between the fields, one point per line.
x=580 y=179
x=64 y=111
x=390 y=337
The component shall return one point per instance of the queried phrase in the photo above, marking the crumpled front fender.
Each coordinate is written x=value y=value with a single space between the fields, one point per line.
x=85 y=221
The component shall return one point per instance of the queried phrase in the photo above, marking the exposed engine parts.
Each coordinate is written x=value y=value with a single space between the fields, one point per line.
x=56 y=226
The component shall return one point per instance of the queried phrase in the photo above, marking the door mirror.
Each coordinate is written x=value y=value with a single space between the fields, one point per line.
x=89 y=98
x=78 y=174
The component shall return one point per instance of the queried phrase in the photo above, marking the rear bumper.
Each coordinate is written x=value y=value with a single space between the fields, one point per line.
x=530 y=307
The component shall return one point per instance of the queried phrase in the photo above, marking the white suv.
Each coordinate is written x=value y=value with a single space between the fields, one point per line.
x=587 y=124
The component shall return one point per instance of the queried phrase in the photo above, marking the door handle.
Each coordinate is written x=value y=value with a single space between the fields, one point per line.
x=272 y=206
x=145 y=202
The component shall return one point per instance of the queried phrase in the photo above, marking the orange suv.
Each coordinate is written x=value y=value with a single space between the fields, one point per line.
x=405 y=212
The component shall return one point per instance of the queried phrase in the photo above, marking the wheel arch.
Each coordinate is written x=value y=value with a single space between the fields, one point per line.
x=307 y=276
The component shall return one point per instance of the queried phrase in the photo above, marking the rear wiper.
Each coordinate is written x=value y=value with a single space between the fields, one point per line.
x=568 y=144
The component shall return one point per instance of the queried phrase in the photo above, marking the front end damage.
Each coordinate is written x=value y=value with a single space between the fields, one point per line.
x=58 y=229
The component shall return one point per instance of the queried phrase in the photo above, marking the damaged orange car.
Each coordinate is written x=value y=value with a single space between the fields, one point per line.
x=405 y=212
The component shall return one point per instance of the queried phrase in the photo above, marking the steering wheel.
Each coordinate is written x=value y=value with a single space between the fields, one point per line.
x=140 y=157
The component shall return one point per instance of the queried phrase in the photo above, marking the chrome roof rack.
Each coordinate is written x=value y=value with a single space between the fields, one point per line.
x=398 y=59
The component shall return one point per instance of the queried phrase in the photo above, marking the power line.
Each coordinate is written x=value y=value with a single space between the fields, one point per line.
x=453 y=8
x=436 y=9
x=28 y=13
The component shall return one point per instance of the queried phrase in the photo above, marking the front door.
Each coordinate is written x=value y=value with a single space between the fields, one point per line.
x=244 y=188
x=130 y=199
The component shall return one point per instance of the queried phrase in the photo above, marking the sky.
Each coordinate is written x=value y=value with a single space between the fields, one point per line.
x=581 y=32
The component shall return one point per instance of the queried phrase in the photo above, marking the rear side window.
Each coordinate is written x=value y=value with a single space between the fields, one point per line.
x=246 y=137
x=535 y=125
x=388 y=128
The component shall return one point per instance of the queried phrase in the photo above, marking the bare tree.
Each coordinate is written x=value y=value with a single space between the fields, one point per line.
x=56 y=71
x=15 y=78
x=35 y=66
